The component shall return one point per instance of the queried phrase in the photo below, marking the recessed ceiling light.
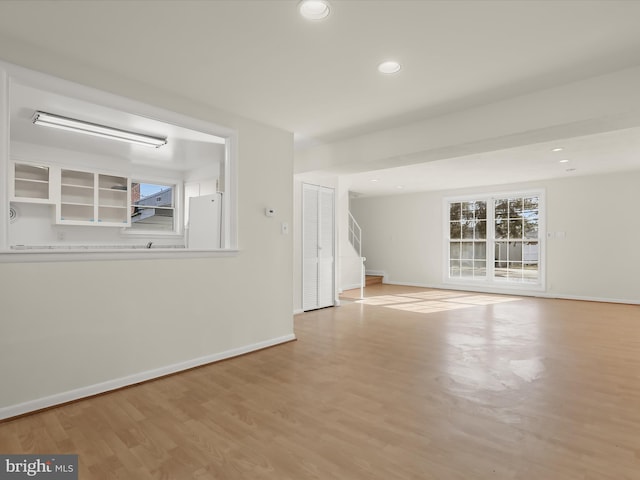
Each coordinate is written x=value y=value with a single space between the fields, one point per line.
x=374 y=180
x=389 y=67
x=399 y=187
x=314 y=9
x=557 y=149
x=564 y=160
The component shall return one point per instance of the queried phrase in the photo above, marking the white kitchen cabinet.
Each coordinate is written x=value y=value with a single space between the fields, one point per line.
x=89 y=198
x=30 y=183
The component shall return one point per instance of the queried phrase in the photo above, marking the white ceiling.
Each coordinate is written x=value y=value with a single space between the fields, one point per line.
x=186 y=150
x=260 y=59
x=613 y=151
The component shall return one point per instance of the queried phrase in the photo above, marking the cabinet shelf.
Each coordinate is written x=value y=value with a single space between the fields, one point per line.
x=111 y=182
x=77 y=203
x=76 y=212
x=80 y=197
x=31 y=180
x=77 y=178
x=71 y=185
x=31 y=172
x=89 y=198
x=77 y=195
x=113 y=198
x=30 y=183
x=113 y=215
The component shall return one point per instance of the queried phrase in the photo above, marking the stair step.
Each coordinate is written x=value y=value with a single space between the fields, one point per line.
x=373 y=279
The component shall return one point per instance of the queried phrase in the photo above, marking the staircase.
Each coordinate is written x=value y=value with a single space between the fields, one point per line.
x=373 y=280
x=355 y=239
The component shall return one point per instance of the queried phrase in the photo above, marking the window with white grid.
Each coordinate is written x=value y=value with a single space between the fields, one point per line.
x=495 y=239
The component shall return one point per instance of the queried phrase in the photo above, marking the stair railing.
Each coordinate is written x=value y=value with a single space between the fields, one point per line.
x=355 y=239
x=355 y=235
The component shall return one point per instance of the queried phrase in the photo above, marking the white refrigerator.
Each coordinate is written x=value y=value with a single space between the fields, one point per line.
x=205 y=215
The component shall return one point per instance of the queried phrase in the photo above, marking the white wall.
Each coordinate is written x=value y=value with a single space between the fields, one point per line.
x=598 y=259
x=74 y=325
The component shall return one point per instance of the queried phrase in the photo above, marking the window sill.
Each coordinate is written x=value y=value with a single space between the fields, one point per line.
x=151 y=234
x=88 y=254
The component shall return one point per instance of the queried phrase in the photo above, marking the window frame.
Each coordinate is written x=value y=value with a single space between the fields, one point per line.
x=473 y=241
x=178 y=212
x=490 y=281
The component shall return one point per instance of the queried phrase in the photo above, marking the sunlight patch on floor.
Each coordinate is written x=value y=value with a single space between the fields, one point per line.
x=432 y=294
x=485 y=299
x=384 y=300
x=428 y=307
x=435 y=301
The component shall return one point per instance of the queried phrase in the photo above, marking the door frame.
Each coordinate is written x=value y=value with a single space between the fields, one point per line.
x=334 y=268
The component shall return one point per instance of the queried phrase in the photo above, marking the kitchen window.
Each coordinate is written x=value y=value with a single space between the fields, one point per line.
x=153 y=207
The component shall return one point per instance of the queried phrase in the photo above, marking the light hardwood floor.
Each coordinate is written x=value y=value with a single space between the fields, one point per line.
x=408 y=384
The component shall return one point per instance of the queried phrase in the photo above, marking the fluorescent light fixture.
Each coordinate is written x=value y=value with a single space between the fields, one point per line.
x=79 y=126
x=389 y=67
x=314 y=9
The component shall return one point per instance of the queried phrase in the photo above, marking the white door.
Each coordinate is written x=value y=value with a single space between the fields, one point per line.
x=318 y=239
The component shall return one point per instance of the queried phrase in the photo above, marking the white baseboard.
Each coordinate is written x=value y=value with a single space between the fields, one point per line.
x=590 y=299
x=516 y=292
x=374 y=272
x=90 y=390
x=298 y=311
x=349 y=287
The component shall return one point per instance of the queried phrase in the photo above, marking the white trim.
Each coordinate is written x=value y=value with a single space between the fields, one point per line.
x=515 y=292
x=353 y=286
x=4 y=157
x=229 y=234
x=90 y=390
x=334 y=286
x=298 y=311
x=375 y=272
x=484 y=288
x=590 y=299
x=88 y=254
x=500 y=284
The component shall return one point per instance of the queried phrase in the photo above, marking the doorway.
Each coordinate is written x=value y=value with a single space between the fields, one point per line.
x=318 y=247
